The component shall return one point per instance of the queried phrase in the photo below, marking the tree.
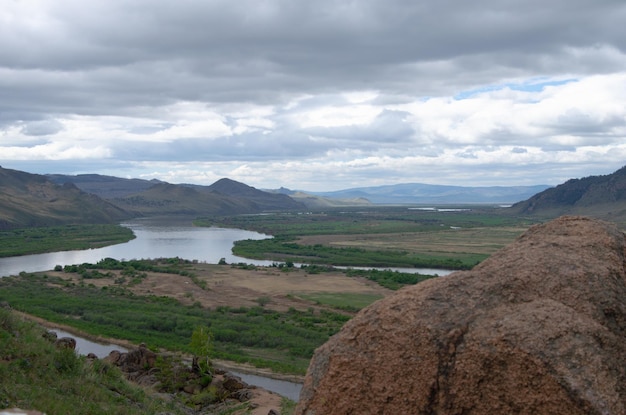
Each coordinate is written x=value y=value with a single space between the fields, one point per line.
x=202 y=347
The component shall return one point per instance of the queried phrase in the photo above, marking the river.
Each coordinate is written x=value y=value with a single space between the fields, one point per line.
x=159 y=238
x=164 y=238
x=285 y=388
x=155 y=238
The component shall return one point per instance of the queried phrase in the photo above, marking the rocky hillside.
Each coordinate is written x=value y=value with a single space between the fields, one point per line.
x=598 y=196
x=538 y=328
x=33 y=200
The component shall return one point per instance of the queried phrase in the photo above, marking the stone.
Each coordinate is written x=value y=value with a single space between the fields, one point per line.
x=65 y=343
x=233 y=383
x=537 y=328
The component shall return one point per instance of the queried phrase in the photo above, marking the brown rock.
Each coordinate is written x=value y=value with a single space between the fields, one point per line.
x=538 y=328
x=233 y=383
x=65 y=343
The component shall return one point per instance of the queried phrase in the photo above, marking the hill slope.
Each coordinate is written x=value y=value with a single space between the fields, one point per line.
x=263 y=200
x=170 y=199
x=598 y=196
x=107 y=187
x=28 y=200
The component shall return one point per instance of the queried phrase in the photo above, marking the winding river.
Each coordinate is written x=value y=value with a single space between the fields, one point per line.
x=159 y=238
x=164 y=238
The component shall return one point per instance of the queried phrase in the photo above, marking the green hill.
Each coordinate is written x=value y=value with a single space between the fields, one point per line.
x=29 y=200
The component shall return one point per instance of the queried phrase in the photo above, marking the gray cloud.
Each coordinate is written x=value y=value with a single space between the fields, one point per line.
x=44 y=127
x=119 y=72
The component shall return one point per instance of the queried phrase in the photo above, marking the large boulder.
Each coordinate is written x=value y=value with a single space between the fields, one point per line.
x=538 y=328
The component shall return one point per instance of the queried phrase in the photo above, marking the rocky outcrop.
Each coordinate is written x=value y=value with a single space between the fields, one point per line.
x=538 y=328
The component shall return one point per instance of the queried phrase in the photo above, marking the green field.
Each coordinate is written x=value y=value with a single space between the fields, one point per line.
x=379 y=236
x=342 y=301
x=163 y=322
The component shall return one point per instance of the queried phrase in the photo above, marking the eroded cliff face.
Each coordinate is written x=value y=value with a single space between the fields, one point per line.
x=538 y=328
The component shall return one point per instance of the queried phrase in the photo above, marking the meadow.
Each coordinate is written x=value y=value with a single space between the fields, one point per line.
x=454 y=238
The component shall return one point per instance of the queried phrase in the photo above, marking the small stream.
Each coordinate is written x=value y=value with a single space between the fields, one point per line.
x=284 y=388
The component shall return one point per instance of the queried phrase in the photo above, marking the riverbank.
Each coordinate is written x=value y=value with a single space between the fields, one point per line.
x=125 y=344
x=89 y=386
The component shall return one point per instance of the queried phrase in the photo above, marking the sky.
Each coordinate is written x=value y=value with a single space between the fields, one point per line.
x=315 y=95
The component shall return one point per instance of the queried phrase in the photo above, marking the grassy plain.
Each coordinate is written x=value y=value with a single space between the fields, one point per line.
x=454 y=238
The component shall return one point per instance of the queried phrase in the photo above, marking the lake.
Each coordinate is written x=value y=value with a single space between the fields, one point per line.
x=159 y=238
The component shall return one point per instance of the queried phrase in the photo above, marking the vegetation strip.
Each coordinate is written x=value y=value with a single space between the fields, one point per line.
x=28 y=241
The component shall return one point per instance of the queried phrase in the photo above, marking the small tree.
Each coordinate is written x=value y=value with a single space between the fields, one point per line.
x=202 y=347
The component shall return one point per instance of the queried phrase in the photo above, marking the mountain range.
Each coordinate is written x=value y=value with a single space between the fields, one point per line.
x=419 y=193
x=39 y=200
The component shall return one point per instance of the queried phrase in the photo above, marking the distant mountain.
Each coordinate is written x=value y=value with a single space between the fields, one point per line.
x=598 y=196
x=171 y=199
x=418 y=193
x=320 y=202
x=32 y=200
x=154 y=197
x=263 y=200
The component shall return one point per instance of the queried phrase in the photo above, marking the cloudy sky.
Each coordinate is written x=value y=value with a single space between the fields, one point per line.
x=315 y=95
